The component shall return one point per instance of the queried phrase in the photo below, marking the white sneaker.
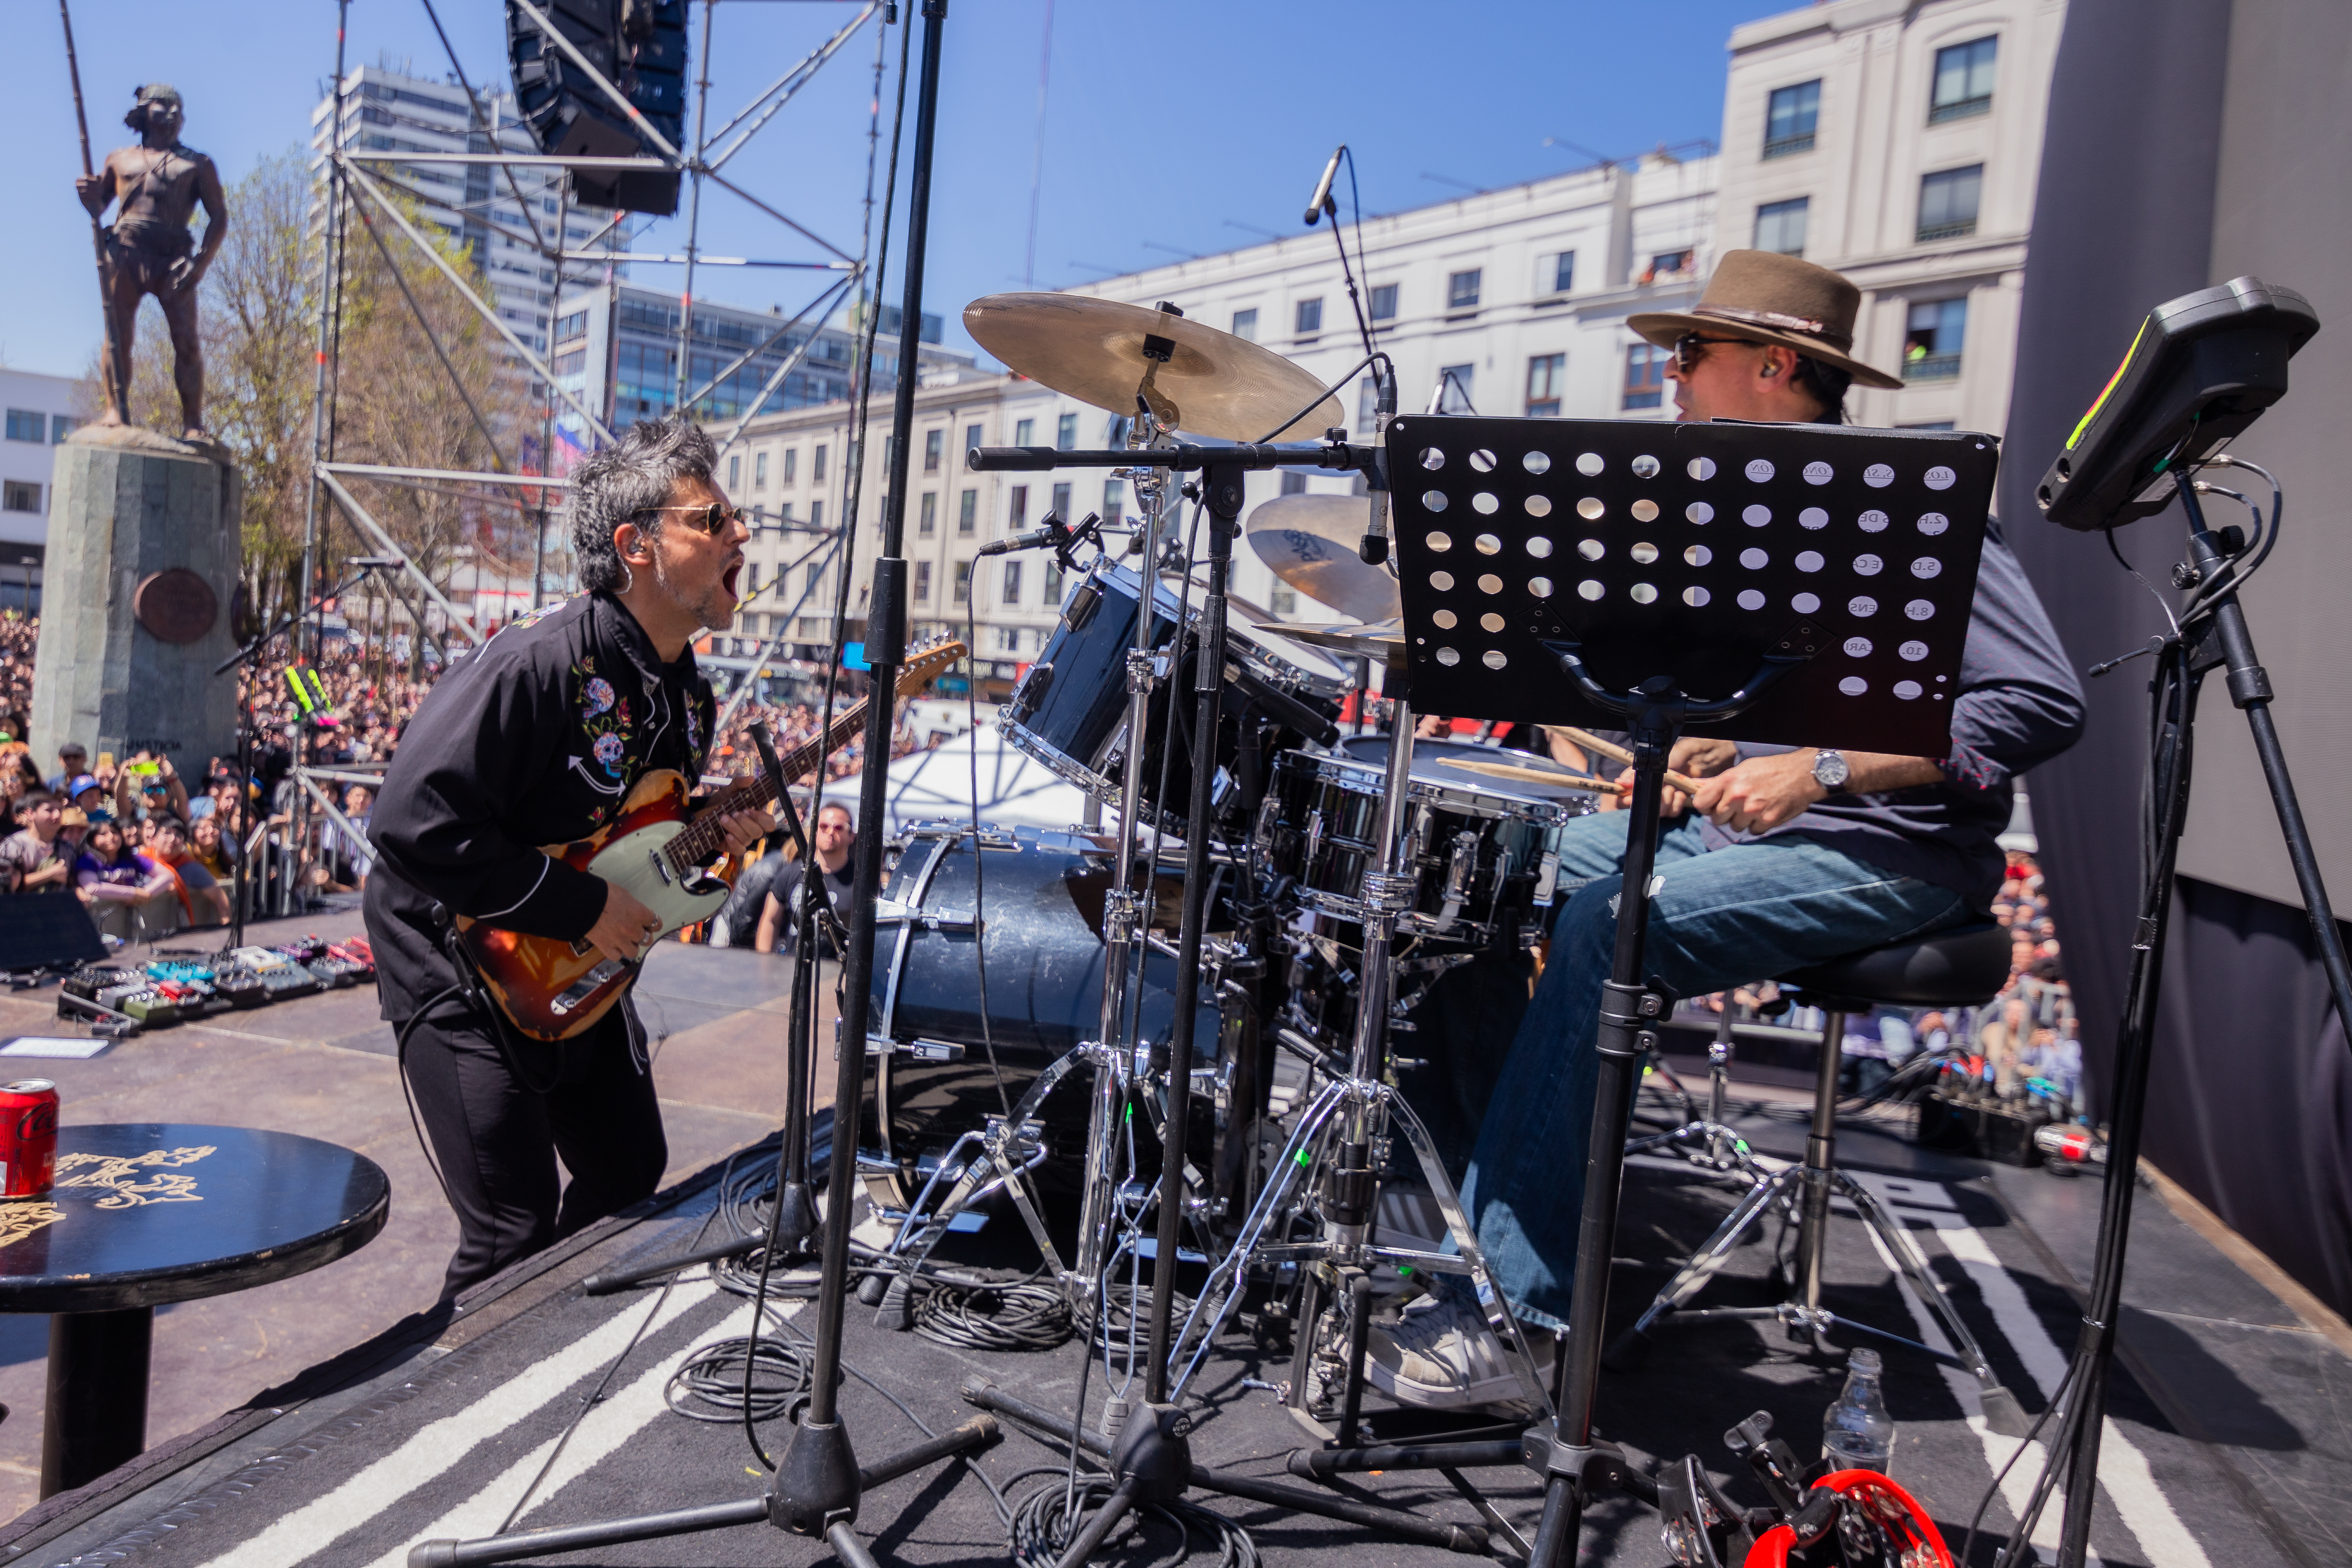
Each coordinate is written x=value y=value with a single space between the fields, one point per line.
x=1443 y=1355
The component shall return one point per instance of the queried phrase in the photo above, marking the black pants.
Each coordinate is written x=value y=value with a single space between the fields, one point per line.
x=497 y=1137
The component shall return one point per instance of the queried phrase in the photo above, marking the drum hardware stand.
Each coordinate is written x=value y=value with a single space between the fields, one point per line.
x=817 y=1483
x=1727 y=1151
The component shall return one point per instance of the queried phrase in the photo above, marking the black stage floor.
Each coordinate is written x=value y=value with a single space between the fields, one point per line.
x=2228 y=1445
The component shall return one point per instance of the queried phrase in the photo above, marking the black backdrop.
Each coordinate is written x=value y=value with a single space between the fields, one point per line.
x=2251 y=1105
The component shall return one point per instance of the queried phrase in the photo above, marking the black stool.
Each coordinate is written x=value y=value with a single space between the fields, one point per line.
x=1959 y=968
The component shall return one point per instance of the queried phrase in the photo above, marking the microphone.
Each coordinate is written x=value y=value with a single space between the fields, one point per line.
x=1049 y=535
x=1322 y=197
x=1374 y=550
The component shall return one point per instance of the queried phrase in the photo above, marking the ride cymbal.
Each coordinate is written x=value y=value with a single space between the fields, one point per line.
x=1212 y=383
x=1311 y=543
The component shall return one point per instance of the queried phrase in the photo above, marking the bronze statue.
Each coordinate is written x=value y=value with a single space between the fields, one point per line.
x=150 y=249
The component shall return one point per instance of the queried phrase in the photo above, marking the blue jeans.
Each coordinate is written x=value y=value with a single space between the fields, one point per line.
x=1728 y=917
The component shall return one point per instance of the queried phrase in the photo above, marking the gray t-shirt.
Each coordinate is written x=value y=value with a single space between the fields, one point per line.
x=29 y=854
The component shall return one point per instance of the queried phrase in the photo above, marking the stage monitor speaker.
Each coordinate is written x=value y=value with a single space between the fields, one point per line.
x=37 y=929
x=639 y=45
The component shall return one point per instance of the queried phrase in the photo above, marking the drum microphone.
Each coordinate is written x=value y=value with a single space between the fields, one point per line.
x=1374 y=550
x=1321 y=201
x=1051 y=534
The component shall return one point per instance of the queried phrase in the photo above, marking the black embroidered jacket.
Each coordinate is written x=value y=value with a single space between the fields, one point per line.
x=536 y=739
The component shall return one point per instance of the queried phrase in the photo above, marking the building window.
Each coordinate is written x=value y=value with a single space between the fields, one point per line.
x=933 y=441
x=1645 y=375
x=1065 y=433
x=968 y=512
x=1012 y=583
x=1293 y=483
x=1384 y=301
x=963 y=583
x=1013 y=633
x=62 y=426
x=1934 y=334
x=817 y=468
x=1053 y=583
x=735 y=472
x=1062 y=502
x=1669 y=267
x=1285 y=602
x=971 y=438
x=1307 y=320
x=17 y=495
x=1788 y=118
x=1462 y=289
x=923 y=582
x=1948 y=202
x=1558 y=273
x=1780 y=226
x=1245 y=324
x=1545 y=374
x=759 y=471
x=929 y=523
x=792 y=465
x=1455 y=398
x=817 y=579
x=754 y=570
x=1963 y=81
x=1114 y=506
x=27 y=424
x=1020 y=513
x=784 y=515
x=816 y=512
x=1024 y=432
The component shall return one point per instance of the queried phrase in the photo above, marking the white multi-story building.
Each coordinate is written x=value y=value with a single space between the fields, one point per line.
x=508 y=227
x=39 y=412
x=1898 y=141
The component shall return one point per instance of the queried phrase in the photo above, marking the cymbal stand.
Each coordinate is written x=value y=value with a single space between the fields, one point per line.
x=1724 y=1151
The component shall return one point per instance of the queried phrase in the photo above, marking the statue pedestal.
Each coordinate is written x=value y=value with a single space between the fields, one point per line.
x=144 y=548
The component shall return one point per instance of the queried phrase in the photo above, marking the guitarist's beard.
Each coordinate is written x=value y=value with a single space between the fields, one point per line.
x=711 y=609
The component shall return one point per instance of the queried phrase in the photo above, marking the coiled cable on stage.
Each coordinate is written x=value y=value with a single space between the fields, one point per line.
x=1045 y=1520
x=1028 y=1316
x=708 y=1385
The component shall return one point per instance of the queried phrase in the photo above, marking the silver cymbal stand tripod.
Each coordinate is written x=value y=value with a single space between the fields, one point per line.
x=999 y=1155
x=1334 y=1153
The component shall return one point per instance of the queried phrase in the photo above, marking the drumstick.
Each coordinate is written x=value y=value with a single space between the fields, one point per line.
x=1610 y=749
x=1538 y=776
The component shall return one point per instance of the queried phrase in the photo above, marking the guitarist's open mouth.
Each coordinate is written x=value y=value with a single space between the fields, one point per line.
x=734 y=570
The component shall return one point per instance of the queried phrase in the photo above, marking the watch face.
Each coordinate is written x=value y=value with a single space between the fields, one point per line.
x=1830 y=770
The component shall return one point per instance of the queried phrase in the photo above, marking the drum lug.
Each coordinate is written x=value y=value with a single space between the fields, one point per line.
x=1461 y=867
x=1143 y=671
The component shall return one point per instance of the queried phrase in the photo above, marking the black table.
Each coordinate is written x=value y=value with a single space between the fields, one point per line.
x=148 y=1213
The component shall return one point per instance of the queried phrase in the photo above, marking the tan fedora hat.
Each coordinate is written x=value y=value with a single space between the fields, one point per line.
x=1765 y=298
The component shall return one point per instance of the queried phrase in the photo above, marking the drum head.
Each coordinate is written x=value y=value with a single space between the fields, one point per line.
x=1507 y=796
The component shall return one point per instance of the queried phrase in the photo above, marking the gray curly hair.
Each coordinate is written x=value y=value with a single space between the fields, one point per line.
x=623 y=483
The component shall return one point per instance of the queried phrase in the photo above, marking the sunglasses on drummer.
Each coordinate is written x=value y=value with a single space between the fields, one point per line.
x=1690 y=348
x=713 y=519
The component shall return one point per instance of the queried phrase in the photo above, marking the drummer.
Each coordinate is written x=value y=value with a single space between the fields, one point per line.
x=1785 y=857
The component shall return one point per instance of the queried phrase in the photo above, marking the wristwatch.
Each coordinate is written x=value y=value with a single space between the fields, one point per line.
x=1831 y=770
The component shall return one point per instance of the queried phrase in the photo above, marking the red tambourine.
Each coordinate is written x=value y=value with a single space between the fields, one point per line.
x=1918 y=1544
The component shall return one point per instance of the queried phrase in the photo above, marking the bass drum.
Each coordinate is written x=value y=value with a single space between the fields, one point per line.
x=1038 y=894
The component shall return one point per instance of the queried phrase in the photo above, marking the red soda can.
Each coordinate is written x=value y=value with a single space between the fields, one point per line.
x=28 y=1138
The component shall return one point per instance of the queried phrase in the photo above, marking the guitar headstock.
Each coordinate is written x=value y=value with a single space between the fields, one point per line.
x=926 y=665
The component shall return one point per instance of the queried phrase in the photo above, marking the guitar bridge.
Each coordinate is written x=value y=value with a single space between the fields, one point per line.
x=584 y=987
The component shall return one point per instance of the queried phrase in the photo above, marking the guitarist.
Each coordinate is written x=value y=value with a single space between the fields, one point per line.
x=537 y=738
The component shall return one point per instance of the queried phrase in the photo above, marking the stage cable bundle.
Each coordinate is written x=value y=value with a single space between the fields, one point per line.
x=1045 y=1520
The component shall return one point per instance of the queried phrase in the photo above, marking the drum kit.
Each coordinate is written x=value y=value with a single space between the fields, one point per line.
x=1341 y=867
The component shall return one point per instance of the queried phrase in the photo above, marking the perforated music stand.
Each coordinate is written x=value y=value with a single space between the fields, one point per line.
x=1805 y=584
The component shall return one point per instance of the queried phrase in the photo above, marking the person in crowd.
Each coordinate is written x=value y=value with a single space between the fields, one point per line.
x=122 y=885
x=149 y=787
x=1786 y=854
x=349 y=861
x=73 y=760
x=203 y=900
x=43 y=861
x=213 y=851
x=836 y=831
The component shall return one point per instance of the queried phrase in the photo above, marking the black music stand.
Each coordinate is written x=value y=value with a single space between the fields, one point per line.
x=1807 y=584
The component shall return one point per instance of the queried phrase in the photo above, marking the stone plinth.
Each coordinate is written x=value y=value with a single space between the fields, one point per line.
x=128 y=641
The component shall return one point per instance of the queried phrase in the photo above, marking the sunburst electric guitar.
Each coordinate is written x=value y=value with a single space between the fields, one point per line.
x=660 y=848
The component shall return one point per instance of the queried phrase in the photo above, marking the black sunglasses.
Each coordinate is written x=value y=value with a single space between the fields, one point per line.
x=1690 y=348
x=714 y=519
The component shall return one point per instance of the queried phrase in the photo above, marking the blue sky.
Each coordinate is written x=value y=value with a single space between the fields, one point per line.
x=1182 y=129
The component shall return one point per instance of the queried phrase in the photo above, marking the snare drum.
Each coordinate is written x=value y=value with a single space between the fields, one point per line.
x=1482 y=858
x=1070 y=709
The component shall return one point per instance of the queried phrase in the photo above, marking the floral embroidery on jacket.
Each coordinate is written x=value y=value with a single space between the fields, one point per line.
x=606 y=720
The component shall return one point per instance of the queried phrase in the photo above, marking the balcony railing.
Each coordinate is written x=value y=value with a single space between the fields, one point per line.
x=1961 y=110
x=1958 y=229
x=1788 y=146
x=1932 y=367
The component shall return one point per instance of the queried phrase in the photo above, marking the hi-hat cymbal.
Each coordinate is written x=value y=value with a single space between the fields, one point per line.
x=1363 y=639
x=1311 y=542
x=1214 y=384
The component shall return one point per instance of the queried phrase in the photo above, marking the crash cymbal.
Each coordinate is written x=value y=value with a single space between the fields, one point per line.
x=1311 y=543
x=1374 y=639
x=1212 y=383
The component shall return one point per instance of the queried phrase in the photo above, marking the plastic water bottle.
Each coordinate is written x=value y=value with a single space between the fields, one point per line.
x=1856 y=1432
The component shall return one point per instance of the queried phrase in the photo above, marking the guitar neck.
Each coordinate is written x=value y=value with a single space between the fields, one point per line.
x=702 y=840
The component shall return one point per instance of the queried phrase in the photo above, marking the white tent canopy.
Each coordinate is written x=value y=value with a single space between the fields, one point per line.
x=1013 y=789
